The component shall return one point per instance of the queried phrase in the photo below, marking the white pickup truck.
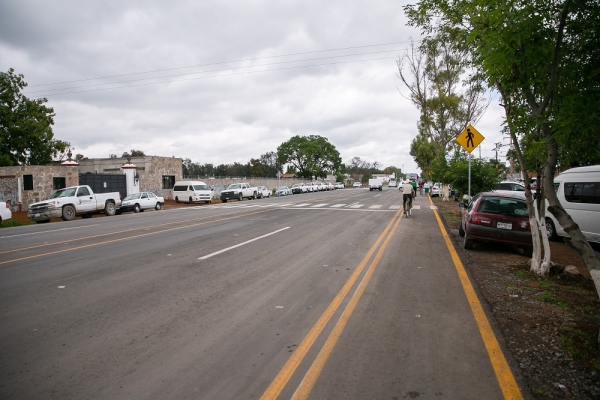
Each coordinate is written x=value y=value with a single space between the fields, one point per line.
x=238 y=191
x=76 y=200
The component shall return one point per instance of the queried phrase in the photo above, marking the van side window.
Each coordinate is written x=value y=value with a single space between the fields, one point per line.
x=582 y=192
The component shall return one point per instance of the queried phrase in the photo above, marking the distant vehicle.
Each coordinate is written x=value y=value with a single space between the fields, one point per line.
x=393 y=183
x=5 y=213
x=357 y=185
x=578 y=191
x=71 y=201
x=263 y=191
x=339 y=185
x=497 y=217
x=137 y=202
x=192 y=191
x=436 y=189
x=309 y=187
x=376 y=184
x=319 y=187
x=297 y=188
x=510 y=186
x=283 y=191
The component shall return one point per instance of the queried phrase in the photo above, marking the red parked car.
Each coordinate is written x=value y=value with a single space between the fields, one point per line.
x=497 y=217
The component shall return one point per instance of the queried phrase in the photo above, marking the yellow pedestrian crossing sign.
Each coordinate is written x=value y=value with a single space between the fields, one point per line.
x=469 y=139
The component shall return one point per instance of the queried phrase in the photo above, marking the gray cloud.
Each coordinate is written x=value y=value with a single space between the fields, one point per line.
x=226 y=119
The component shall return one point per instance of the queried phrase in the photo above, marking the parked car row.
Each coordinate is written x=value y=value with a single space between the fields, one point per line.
x=310 y=187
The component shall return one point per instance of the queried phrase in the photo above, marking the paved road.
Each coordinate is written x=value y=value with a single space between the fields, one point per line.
x=326 y=296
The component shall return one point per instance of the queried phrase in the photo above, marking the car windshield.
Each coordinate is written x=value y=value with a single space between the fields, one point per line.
x=296 y=185
x=504 y=206
x=282 y=187
x=132 y=197
x=68 y=192
x=201 y=187
x=234 y=186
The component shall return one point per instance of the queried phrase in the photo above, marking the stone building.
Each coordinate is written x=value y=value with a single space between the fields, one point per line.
x=26 y=184
x=154 y=174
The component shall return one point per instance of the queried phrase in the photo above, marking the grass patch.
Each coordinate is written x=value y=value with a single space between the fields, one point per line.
x=523 y=275
x=548 y=298
x=11 y=223
x=451 y=217
x=581 y=333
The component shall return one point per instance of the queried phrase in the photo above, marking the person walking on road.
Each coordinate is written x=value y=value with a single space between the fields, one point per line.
x=414 y=185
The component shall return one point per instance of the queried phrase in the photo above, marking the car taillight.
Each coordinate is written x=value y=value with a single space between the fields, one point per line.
x=474 y=219
x=6 y=204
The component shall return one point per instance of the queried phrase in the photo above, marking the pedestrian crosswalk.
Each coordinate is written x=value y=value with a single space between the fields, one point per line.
x=307 y=206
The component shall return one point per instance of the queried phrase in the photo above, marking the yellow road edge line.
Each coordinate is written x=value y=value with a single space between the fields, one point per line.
x=506 y=380
x=307 y=384
x=129 y=237
x=288 y=369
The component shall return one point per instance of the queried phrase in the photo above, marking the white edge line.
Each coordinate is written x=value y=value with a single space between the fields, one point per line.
x=241 y=244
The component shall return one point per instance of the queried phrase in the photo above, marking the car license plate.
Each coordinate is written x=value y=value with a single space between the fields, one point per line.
x=36 y=215
x=504 y=225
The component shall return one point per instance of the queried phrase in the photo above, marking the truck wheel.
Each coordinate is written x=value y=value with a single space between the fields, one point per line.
x=68 y=213
x=380 y=189
x=176 y=199
x=110 y=209
x=136 y=208
x=254 y=196
x=157 y=206
x=223 y=201
x=190 y=201
x=240 y=197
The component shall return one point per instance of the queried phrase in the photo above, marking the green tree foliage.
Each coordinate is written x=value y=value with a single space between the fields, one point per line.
x=423 y=151
x=310 y=155
x=264 y=167
x=26 y=136
x=484 y=175
x=448 y=93
x=134 y=153
x=543 y=58
x=361 y=171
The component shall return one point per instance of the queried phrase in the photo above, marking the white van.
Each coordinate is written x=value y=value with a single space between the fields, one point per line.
x=578 y=190
x=192 y=191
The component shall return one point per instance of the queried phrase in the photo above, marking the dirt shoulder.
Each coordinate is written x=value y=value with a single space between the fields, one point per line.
x=550 y=325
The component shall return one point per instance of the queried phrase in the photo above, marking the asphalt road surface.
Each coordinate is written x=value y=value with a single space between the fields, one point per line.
x=332 y=295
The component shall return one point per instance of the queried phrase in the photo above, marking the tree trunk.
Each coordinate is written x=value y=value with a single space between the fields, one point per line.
x=578 y=240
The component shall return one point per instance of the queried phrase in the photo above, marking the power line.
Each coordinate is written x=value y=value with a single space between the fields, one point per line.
x=223 y=75
x=221 y=62
x=209 y=71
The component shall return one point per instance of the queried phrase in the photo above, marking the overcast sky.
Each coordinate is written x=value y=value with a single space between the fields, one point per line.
x=220 y=81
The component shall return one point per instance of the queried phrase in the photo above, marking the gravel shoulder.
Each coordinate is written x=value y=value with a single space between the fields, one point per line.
x=550 y=325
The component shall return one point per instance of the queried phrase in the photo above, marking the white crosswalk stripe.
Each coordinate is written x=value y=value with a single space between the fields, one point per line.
x=356 y=206
x=319 y=205
x=337 y=205
x=395 y=207
x=375 y=206
x=302 y=205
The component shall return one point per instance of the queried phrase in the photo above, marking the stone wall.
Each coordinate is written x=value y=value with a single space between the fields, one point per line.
x=42 y=183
